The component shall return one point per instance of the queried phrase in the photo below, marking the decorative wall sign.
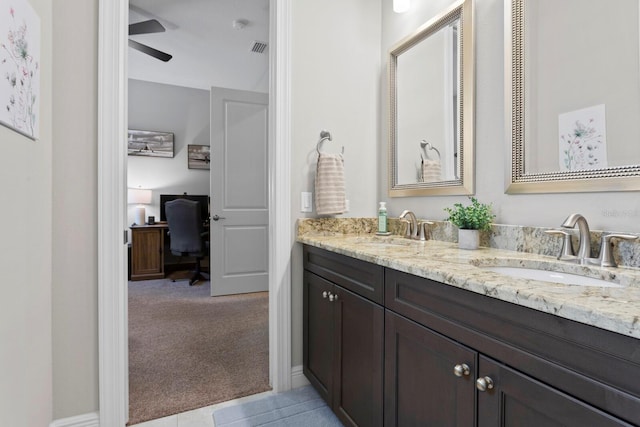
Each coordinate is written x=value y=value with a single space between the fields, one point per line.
x=583 y=139
x=150 y=143
x=199 y=156
x=20 y=68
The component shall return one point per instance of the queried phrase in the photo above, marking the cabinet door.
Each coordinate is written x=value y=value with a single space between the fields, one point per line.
x=359 y=341
x=519 y=400
x=318 y=334
x=147 y=261
x=420 y=386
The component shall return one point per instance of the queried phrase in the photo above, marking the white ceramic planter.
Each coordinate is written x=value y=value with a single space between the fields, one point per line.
x=468 y=239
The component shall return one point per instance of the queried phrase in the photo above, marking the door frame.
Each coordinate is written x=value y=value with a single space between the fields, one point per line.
x=112 y=260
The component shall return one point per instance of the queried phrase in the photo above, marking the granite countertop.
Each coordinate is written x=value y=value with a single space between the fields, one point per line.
x=613 y=309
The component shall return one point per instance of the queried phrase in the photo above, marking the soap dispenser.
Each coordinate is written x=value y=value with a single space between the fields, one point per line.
x=382 y=218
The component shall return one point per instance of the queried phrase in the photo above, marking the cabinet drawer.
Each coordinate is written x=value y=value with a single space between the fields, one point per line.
x=361 y=277
x=597 y=366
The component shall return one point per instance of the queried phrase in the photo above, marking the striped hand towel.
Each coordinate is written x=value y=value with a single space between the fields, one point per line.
x=430 y=170
x=330 y=187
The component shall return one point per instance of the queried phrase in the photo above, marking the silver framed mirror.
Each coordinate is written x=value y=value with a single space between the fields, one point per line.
x=431 y=107
x=572 y=92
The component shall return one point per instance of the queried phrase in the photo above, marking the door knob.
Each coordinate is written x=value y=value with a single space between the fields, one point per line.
x=484 y=383
x=461 y=370
x=216 y=217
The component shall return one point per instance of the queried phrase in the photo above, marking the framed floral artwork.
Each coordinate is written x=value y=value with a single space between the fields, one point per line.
x=199 y=156
x=20 y=68
x=583 y=139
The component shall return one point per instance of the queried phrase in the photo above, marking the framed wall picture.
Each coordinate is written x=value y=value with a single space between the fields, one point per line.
x=150 y=143
x=20 y=68
x=199 y=156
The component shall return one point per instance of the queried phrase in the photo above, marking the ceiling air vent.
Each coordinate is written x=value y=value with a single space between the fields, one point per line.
x=258 y=47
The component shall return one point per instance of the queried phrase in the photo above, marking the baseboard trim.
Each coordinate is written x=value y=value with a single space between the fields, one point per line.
x=86 y=420
x=93 y=419
x=297 y=377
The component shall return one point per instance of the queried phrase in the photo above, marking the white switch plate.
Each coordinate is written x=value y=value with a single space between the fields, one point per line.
x=347 y=205
x=306 y=204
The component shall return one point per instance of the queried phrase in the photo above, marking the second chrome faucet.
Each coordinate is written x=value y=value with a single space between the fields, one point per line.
x=604 y=259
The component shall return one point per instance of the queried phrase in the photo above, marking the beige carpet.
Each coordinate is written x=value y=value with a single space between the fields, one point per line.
x=188 y=350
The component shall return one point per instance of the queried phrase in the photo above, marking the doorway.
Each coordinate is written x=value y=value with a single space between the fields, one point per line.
x=112 y=259
x=187 y=350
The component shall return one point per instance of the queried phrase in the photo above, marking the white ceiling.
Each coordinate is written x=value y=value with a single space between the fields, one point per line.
x=207 y=51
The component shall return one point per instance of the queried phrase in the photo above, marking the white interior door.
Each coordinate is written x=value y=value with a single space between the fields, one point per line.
x=239 y=192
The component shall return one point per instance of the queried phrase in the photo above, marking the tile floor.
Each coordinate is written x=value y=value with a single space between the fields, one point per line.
x=202 y=417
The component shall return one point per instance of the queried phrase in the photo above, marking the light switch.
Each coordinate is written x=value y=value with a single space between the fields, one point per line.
x=306 y=202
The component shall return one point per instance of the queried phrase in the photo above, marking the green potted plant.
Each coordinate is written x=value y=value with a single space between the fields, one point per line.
x=470 y=220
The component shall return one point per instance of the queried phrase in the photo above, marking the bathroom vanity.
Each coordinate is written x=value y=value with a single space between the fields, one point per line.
x=415 y=334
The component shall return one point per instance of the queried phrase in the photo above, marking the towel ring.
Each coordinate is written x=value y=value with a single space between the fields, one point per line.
x=424 y=144
x=324 y=135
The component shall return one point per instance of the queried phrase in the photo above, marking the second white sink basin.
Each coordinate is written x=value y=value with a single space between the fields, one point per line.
x=552 y=276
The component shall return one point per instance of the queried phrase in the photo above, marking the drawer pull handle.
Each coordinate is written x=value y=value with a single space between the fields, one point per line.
x=461 y=370
x=333 y=297
x=484 y=383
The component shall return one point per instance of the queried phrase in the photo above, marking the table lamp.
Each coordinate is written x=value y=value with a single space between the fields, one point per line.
x=139 y=197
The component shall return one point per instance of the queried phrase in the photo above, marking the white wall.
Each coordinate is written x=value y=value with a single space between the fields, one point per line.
x=166 y=108
x=336 y=74
x=604 y=211
x=25 y=251
x=75 y=211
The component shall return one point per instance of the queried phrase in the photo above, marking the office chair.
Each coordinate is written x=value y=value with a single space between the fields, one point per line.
x=187 y=234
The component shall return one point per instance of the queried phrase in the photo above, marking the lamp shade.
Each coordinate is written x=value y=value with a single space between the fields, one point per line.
x=138 y=196
x=401 y=6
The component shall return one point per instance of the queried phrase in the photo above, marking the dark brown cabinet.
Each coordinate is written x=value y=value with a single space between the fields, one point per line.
x=318 y=334
x=453 y=357
x=421 y=388
x=343 y=350
x=518 y=400
x=147 y=257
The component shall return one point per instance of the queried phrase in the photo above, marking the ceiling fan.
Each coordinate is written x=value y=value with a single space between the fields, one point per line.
x=148 y=27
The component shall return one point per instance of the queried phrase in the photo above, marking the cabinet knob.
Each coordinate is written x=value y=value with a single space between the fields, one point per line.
x=484 y=383
x=333 y=297
x=461 y=370
x=325 y=294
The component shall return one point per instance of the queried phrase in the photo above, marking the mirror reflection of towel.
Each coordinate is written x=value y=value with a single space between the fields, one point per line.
x=431 y=170
x=330 y=185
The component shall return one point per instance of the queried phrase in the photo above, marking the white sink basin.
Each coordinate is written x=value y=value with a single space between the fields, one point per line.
x=553 y=277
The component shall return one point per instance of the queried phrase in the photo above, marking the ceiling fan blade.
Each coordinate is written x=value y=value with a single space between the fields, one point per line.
x=146 y=27
x=162 y=56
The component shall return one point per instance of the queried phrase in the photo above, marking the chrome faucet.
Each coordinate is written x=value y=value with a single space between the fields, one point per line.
x=412 y=227
x=605 y=258
x=584 y=251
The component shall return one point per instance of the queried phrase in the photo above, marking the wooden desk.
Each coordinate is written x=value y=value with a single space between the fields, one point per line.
x=147 y=251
